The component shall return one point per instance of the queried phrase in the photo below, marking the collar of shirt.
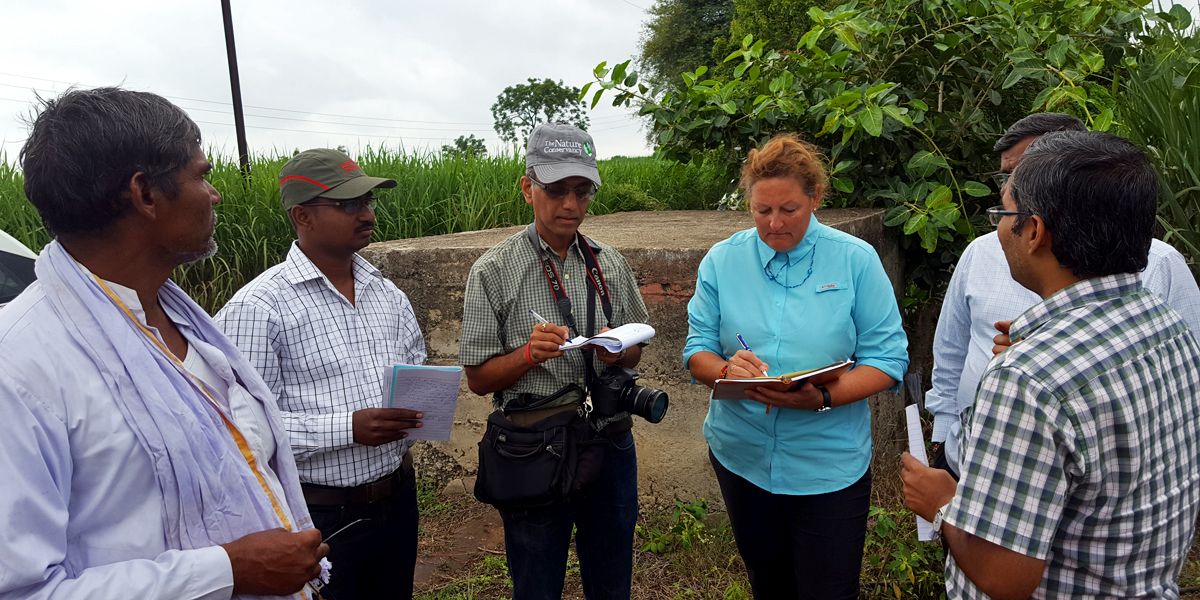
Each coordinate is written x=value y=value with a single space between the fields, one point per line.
x=298 y=268
x=1077 y=294
x=572 y=249
x=766 y=253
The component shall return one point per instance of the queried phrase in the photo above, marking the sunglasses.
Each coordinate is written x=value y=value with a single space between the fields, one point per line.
x=559 y=190
x=350 y=207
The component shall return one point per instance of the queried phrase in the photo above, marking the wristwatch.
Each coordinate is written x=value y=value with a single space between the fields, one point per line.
x=938 y=517
x=827 y=402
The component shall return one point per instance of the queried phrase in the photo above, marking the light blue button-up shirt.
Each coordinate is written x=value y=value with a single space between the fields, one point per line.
x=845 y=309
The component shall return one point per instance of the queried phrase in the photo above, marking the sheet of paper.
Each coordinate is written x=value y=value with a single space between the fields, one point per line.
x=614 y=340
x=433 y=390
x=916 y=447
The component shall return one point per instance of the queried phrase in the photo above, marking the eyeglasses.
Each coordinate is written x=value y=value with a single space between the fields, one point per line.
x=996 y=213
x=559 y=190
x=1001 y=179
x=350 y=207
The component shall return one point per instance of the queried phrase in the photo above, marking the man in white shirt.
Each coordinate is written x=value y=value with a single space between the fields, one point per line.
x=143 y=456
x=982 y=293
x=321 y=328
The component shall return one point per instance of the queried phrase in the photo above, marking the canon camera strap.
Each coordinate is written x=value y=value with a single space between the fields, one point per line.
x=599 y=286
x=595 y=277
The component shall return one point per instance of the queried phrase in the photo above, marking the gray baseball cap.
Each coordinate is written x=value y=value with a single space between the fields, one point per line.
x=557 y=151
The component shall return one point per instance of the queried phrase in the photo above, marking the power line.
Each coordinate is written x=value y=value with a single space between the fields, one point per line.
x=335 y=133
x=603 y=120
x=204 y=101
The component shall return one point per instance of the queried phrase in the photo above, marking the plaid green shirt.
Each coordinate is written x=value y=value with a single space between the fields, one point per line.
x=507 y=281
x=1083 y=447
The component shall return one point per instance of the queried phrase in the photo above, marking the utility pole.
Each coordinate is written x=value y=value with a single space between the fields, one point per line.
x=235 y=86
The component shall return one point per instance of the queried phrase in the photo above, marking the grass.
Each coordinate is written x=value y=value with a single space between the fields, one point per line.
x=700 y=559
x=1158 y=107
x=434 y=195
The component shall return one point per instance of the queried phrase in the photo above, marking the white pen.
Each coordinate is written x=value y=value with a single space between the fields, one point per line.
x=540 y=318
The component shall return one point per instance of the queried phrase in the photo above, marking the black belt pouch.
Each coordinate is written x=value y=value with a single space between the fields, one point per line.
x=528 y=467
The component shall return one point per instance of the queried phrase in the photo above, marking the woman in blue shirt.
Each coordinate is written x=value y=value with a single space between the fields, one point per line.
x=794 y=474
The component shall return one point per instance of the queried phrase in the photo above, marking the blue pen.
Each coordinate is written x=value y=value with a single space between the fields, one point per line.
x=741 y=340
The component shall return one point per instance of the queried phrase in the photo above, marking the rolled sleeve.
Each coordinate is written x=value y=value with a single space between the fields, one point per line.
x=480 y=336
x=704 y=314
x=881 y=341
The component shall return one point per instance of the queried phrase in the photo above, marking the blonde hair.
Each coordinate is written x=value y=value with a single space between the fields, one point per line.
x=785 y=155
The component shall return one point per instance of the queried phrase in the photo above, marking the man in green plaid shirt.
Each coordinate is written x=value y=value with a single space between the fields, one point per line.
x=1081 y=462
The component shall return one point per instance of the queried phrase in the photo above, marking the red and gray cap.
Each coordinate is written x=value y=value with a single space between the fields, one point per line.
x=325 y=173
x=558 y=151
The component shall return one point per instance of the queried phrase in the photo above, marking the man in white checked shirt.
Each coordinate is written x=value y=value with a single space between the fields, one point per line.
x=1081 y=455
x=320 y=327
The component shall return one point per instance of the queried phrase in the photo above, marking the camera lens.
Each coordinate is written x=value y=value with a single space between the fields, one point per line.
x=647 y=403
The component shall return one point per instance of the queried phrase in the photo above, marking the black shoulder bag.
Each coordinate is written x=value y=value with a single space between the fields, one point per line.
x=545 y=462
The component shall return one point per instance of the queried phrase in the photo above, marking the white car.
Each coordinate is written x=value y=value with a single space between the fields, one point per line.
x=16 y=268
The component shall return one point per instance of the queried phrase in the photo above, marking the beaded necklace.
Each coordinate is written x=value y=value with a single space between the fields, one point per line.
x=774 y=277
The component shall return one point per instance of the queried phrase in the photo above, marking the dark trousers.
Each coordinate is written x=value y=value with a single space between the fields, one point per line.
x=603 y=513
x=374 y=559
x=798 y=546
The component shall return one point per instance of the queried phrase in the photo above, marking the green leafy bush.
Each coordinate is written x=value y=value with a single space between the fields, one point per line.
x=895 y=563
x=686 y=530
x=906 y=96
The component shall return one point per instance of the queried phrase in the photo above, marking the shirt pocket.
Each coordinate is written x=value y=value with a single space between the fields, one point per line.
x=831 y=313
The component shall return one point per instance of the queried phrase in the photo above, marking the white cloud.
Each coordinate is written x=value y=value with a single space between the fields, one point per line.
x=419 y=73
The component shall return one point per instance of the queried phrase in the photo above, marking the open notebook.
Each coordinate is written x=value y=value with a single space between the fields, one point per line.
x=614 y=340
x=735 y=389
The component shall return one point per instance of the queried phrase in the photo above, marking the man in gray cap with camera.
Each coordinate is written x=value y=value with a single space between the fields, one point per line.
x=320 y=327
x=524 y=298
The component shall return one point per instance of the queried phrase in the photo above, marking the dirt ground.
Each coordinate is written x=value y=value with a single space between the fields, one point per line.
x=455 y=542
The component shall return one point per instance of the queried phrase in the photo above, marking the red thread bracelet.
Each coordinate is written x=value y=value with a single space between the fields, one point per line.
x=529 y=355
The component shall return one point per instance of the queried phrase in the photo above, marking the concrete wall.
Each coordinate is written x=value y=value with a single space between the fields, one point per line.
x=664 y=249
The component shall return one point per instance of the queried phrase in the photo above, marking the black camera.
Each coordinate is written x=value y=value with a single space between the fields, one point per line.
x=614 y=391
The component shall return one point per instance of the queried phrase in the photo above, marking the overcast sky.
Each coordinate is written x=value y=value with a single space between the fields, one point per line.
x=320 y=73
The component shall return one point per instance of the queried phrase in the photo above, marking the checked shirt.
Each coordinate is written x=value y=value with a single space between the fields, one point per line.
x=1083 y=446
x=507 y=281
x=324 y=358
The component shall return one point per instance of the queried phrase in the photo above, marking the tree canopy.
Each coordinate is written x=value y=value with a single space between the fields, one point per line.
x=905 y=96
x=465 y=146
x=521 y=107
x=680 y=36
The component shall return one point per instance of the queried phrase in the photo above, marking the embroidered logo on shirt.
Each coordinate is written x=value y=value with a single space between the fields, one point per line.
x=827 y=286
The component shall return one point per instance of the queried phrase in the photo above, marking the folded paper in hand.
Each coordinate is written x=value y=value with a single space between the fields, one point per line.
x=614 y=340
x=430 y=389
x=735 y=389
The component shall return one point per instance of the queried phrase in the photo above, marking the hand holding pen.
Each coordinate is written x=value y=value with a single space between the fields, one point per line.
x=744 y=363
x=544 y=341
x=747 y=355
